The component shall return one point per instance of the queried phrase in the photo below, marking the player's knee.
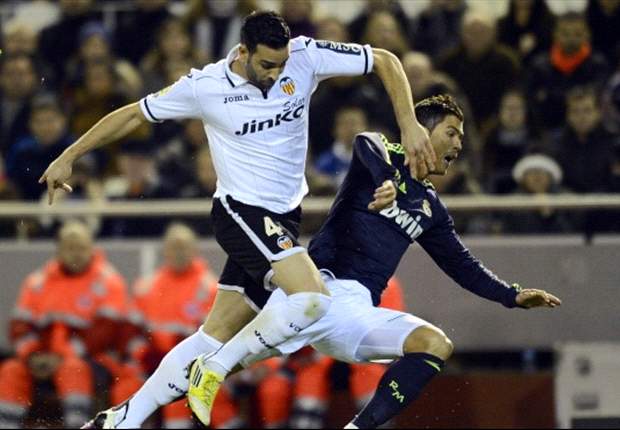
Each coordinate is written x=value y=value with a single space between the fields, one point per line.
x=313 y=306
x=429 y=340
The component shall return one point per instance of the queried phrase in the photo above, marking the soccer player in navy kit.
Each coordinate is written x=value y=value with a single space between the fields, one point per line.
x=379 y=212
x=254 y=107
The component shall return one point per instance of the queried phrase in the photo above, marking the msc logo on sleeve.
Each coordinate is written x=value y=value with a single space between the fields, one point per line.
x=342 y=48
x=287 y=85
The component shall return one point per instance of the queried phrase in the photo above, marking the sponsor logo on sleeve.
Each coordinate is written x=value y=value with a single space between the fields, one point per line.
x=341 y=48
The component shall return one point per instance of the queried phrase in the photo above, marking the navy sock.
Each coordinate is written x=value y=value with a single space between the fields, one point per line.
x=399 y=386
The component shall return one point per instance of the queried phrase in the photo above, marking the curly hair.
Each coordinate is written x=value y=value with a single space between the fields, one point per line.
x=432 y=110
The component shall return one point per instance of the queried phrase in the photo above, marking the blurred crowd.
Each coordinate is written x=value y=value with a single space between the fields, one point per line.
x=541 y=94
x=83 y=340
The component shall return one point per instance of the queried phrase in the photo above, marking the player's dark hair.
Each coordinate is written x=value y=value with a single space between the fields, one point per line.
x=265 y=28
x=432 y=110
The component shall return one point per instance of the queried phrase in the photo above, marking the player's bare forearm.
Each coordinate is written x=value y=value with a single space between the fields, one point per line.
x=110 y=128
x=390 y=70
x=420 y=155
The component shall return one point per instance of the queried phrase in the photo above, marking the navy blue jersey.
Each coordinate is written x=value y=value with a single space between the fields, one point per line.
x=356 y=243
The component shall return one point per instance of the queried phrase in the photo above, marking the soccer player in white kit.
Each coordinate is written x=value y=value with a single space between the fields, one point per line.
x=254 y=106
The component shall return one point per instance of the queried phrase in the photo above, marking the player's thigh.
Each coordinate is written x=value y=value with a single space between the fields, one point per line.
x=387 y=338
x=298 y=273
x=258 y=240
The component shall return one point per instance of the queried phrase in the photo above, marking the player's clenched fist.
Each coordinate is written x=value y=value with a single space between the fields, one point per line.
x=56 y=176
x=532 y=298
x=384 y=196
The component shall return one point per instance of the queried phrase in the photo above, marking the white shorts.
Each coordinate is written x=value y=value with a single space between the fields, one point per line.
x=353 y=330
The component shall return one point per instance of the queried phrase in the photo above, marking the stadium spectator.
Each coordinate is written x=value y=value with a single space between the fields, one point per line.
x=526 y=28
x=59 y=41
x=18 y=82
x=585 y=151
x=97 y=96
x=572 y=61
x=298 y=15
x=583 y=148
x=138 y=180
x=326 y=100
x=332 y=28
x=173 y=45
x=7 y=192
x=359 y=24
x=536 y=174
x=438 y=26
x=334 y=163
x=185 y=284
x=604 y=20
x=68 y=312
x=95 y=48
x=48 y=137
x=509 y=140
x=296 y=393
x=611 y=104
x=383 y=30
x=129 y=41
x=176 y=156
x=86 y=187
x=18 y=38
x=204 y=177
x=335 y=93
x=483 y=68
x=216 y=24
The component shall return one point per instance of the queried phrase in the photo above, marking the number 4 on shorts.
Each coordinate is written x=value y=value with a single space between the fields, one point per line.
x=272 y=228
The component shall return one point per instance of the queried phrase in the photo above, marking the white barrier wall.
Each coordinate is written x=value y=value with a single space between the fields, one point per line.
x=587 y=385
x=585 y=276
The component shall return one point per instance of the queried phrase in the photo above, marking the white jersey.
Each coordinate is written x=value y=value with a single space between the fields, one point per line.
x=259 y=141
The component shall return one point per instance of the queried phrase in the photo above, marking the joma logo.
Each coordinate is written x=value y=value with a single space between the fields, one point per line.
x=234 y=99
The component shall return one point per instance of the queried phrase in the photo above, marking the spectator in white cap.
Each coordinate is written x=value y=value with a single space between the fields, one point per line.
x=536 y=174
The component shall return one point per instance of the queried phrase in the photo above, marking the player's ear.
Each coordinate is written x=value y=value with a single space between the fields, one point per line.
x=244 y=52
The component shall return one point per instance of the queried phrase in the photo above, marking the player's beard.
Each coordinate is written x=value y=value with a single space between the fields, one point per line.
x=264 y=85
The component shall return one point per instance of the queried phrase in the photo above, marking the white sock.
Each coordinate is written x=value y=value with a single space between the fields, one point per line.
x=272 y=326
x=351 y=426
x=169 y=381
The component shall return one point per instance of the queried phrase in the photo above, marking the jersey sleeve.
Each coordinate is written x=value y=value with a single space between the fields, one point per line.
x=178 y=101
x=338 y=59
x=442 y=243
x=369 y=148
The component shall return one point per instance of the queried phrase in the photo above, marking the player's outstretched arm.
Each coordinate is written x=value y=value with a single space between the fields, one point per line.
x=112 y=127
x=533 y=298
x=420 y=156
